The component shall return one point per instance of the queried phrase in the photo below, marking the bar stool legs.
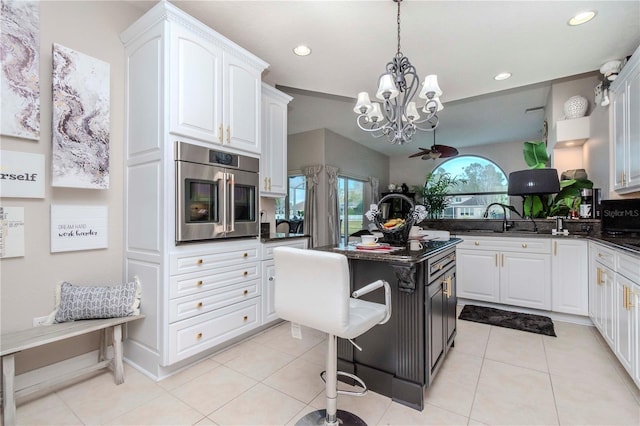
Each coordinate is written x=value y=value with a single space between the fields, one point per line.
x=331 y=416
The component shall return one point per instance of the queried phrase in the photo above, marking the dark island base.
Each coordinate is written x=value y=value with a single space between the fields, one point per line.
x=400 y=358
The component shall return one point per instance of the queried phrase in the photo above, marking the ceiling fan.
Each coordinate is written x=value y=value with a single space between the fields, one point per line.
x=436 y=151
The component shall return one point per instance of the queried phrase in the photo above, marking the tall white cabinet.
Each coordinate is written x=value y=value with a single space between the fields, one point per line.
x=273 y=167
x=185 y=82
x=625 y=127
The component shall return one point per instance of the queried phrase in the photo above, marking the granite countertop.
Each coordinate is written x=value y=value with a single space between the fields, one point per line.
x=280 y=236
x=401 y=255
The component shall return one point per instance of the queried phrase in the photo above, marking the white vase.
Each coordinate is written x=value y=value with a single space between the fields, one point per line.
x=575 y=107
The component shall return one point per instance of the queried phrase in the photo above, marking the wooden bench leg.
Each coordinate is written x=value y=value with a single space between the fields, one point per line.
x=102 y=353
x=118 y=366
x=8 y=396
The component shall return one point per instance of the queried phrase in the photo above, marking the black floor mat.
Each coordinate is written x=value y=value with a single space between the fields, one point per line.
x=516 y=320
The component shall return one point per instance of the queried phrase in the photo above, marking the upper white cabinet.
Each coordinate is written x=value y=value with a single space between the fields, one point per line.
x=211 y=88
x=625 y=127
x=273 y=165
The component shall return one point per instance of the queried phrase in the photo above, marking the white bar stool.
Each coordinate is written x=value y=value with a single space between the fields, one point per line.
x=312 y=289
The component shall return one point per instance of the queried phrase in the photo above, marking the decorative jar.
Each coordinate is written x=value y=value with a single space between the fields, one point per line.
x=575 y=107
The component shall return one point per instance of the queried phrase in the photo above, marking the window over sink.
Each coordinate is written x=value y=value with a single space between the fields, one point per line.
x=484 y=183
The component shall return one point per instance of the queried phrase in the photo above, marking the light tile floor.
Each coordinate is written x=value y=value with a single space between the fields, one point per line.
x=493 y=376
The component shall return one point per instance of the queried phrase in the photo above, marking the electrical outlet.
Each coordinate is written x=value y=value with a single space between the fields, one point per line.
x=37 y=322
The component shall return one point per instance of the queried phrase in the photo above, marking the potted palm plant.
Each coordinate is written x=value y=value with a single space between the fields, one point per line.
x=435 y=192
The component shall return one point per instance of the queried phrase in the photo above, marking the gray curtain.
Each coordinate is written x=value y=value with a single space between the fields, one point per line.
x=374 y=184
x=332 y=206
x=311 y=203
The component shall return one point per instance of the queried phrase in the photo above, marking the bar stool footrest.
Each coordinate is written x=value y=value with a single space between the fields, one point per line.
x=353 y=377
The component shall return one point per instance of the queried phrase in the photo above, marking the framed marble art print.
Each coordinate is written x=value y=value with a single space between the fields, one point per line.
x=81 y=125
x=20 y=69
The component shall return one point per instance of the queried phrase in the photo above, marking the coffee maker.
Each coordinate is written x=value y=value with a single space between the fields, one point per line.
x=590 y=200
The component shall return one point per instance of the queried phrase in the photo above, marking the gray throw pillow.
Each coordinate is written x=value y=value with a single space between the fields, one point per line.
x=75 y=302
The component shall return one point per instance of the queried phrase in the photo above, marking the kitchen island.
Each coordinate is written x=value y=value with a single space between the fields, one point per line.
x=400 y=358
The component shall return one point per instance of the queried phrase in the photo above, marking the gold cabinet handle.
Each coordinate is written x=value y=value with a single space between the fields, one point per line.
x=221 y=134
x=496 y=260
x=598 y=276
x=503 y=260
x=228 y=134
x=245 y=318
x=199 y=283
x=199 y=336
x=265 y=184
x=623 y=178
x=245 y=255
x=199 y=305
x=599 y=254
x=199 y=262
x=245 y=273
x=245 y=292
x=477 y=243
x=447 y=286
x=629 y=294
x=269 y=184
x=555 y=248
x=524 y=245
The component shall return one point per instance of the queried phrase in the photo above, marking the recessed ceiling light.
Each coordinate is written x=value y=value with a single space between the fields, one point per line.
x=302 y=50
x=582 y=18
x=502 y=76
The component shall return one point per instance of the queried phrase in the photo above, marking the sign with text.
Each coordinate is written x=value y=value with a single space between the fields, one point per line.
x=21 y=174
x=78 y=228
x=11 y=232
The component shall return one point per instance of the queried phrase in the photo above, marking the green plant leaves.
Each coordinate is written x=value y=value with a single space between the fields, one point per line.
x=535 y=154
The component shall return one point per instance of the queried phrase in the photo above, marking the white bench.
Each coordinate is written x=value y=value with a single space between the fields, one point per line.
x=12 y=343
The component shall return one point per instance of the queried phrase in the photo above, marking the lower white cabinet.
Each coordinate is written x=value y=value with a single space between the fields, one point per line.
x=510 y=270
x=269 y=275
x=614 y=293
x=569 y=276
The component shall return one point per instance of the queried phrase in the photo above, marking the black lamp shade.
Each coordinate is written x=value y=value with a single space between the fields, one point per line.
x=534 y=181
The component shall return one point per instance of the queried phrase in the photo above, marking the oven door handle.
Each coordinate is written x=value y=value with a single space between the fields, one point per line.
x=231 y=187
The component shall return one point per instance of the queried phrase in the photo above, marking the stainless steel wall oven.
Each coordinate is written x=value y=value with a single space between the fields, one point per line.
x=216 y=194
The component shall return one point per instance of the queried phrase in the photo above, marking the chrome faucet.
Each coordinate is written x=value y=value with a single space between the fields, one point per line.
x=505 y=224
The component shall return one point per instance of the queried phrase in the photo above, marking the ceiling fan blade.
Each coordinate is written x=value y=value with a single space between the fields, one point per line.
x=445 y=151
x=421 y=153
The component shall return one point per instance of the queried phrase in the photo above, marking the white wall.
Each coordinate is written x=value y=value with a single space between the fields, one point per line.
x=27 y=283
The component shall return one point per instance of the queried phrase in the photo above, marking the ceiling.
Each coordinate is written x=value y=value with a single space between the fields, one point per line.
x=465 y=42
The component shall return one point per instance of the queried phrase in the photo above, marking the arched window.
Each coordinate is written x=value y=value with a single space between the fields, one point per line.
x=482 y=182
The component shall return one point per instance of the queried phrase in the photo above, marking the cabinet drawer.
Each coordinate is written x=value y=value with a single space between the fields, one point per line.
x=628 y=266
x=603 y=254
x=194 y=335
x=267 y=248
x=529 y=245
x=180 y=264
x=197 y=282
x=190 y=306
x=439 y=264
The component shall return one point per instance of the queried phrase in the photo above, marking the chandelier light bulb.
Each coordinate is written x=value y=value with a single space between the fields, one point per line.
x=376 y=113
x=430 y=88
x=412 y=112
x=363 y=105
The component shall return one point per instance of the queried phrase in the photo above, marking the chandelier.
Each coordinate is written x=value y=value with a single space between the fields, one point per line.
x=396 y=89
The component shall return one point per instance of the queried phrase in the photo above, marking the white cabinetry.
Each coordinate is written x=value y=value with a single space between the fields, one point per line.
x=615 y=293
x=569 y=276
x=213 y=86
x=522 y=267
x=213 y=296
x=273 y=164
x=625 y=127
x=184 y=82
x=269 y=275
